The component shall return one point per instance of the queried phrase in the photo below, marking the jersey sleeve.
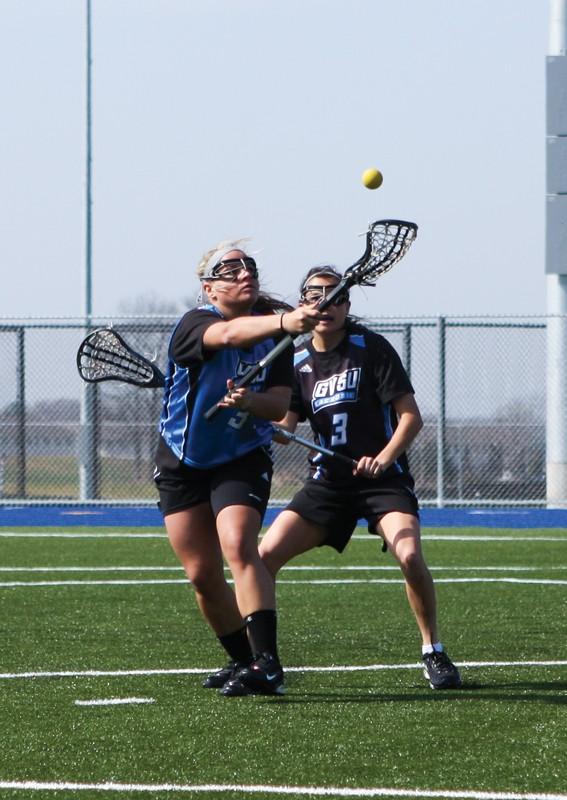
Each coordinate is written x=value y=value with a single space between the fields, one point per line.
x=186 y=344
x=296 y=404
x=281 y=370
x=391 y=379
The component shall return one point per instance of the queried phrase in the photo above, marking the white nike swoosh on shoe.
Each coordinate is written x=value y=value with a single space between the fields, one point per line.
x=272 y=677
x=255 y=496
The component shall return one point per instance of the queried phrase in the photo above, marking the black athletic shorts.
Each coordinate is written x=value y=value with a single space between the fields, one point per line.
x=246 y=481
x=338 y=508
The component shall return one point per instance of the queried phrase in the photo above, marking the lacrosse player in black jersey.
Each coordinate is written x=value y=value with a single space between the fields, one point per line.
x=351 y=386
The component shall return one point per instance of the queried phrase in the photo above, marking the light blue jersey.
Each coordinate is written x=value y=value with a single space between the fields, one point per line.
x=196 y=380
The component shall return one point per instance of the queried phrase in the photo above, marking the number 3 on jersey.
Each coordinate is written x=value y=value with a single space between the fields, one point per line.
x=239 y=420
x=339 y=429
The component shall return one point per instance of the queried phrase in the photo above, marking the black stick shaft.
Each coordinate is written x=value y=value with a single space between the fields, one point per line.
x=247 y=377
x=292 y=437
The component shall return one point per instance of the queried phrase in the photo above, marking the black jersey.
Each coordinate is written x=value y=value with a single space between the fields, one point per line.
x=347 y=393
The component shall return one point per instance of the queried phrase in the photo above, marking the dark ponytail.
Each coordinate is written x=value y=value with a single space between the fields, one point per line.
x=267 y=304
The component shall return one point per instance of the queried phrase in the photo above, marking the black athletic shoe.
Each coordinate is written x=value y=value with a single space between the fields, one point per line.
x=440 y=671
x=235 y=688
x=263 y=676
x=216 y=680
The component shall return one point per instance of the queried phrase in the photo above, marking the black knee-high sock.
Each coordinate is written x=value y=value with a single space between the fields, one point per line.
x=237 y=646
x=263 y=632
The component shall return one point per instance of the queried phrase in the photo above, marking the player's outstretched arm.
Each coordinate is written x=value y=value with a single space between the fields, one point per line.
x=246 y=331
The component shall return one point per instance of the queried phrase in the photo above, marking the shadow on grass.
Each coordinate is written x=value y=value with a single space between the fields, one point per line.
x=535 y=692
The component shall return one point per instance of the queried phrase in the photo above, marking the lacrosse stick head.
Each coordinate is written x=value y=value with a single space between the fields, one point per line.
x=387 y=241
x=104 y=356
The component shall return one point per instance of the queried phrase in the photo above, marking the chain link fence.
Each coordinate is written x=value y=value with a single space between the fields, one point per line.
x=480 y=385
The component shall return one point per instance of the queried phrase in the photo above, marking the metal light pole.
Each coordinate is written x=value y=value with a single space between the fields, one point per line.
x=89 y=198
x=89 y=423
x=556 y=257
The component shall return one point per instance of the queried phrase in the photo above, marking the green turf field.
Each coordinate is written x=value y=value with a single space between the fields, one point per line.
x=358 y=719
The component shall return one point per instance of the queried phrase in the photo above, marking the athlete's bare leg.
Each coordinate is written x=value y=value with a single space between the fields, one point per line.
x=193 y=536
x=288 y=536
x=238 y=528
x=401 y=532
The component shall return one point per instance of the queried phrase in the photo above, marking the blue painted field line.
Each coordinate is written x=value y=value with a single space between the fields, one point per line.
x=149 y=516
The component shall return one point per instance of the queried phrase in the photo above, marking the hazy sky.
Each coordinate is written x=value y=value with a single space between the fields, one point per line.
x=227 y=118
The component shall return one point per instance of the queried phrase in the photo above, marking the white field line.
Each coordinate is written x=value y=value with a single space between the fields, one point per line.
x=356 y=538
x=112 y=569
x=51 y=584
x=76 y=535
x=450 y=537
x=116 y=701
x=95 y=673
x=306 y=791
x=299 y=568
x=281 y=582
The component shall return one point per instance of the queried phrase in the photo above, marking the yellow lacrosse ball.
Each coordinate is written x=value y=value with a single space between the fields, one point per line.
x=372 y=178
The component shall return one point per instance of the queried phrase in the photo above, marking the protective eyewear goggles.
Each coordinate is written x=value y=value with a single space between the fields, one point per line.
x=312 y=295
x=230 y=268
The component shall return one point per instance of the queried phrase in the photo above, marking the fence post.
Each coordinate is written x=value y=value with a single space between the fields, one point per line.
x=88 y=443
x=407 y=348
x=441 y=422
x=21 y=417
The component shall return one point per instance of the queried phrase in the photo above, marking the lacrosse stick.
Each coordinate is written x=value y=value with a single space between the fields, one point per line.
x=293 y=437
x=387 y=241
x=104 y=356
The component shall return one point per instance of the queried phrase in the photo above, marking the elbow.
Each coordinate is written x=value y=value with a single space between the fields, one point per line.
x=219 y=337
x=229 y=338
x=230 y=335
x=289 y=421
